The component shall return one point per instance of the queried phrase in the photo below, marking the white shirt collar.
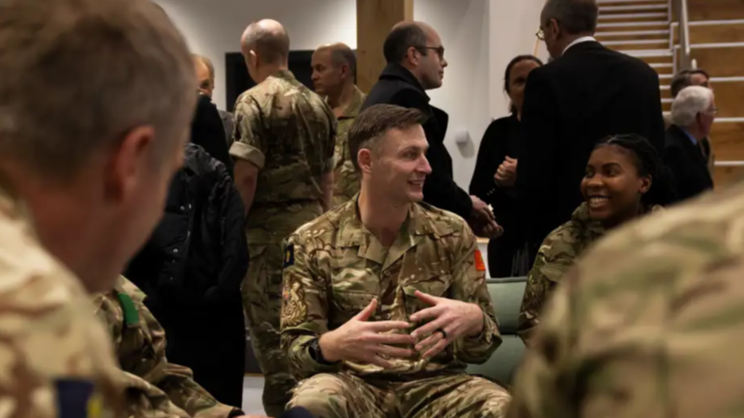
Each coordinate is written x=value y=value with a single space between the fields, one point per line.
x=580 y=40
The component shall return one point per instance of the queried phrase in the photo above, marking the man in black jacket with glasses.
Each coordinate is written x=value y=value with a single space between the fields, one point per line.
x=416 y=63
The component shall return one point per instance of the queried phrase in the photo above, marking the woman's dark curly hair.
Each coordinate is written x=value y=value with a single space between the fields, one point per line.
x=648 y=163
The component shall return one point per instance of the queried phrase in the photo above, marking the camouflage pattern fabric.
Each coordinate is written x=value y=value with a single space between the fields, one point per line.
x=154 y=387
x=334 y=267
x=144 y=400
x=288 y=132
x=446 y=396
x=346 y=178
x=57 y=359
x=556 y=256
x=648 y=324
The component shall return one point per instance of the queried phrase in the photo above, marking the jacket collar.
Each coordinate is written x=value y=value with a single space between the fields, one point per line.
x=579 y=41
x=355 y=106
x=284 y=75
x=586 y=45
x=580 y=216
x=395 y=71
x=352 y=233
x=684 y=137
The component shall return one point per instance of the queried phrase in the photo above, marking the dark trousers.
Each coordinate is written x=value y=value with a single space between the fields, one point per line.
x=211 y=342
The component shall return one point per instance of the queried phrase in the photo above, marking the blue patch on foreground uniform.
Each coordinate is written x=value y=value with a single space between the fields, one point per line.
x=77 y=399
x=289 y=255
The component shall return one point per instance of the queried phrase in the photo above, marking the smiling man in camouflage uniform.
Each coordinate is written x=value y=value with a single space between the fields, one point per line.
x=385 y=299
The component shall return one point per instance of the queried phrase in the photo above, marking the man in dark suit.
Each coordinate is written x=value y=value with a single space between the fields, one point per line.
x=585 y=94
x=687 y=78
x=208 y=133
x=693 y=113
x=416 y=63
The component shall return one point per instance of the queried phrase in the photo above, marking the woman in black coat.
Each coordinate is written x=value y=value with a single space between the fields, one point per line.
x=207 y=131
x=496 y=171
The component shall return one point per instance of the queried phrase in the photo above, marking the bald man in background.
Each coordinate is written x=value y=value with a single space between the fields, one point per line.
x=205 y=77
x=283 y=146
x=334 y=73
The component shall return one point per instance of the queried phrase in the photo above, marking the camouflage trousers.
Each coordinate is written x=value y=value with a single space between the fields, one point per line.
x=447 y=396
x=262 y=295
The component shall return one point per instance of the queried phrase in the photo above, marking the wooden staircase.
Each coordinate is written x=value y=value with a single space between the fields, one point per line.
x=649 y=30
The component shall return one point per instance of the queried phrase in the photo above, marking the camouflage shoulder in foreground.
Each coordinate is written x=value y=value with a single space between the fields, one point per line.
x=650 y=309
x=555 y=256
x=57 y=359
x=334 y=267
x=154 y=387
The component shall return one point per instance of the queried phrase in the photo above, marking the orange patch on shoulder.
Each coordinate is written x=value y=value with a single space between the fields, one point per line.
x=479 y=264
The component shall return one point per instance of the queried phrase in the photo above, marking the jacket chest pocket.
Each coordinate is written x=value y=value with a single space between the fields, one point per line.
x=345 y=304
x=437 y=286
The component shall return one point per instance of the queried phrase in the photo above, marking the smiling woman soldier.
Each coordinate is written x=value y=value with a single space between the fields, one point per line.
x=624 y=179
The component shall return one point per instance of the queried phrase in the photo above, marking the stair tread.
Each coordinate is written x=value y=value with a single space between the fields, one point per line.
x=648 y=52
x=631 y=24
x=635 y=32
x=612 y=16
x=632 y=8
x=600 y=2
x=635 y=42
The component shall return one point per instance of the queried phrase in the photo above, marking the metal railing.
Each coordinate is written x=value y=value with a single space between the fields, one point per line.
x=685 y=60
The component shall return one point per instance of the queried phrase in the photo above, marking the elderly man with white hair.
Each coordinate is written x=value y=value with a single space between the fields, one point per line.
x=693 y=112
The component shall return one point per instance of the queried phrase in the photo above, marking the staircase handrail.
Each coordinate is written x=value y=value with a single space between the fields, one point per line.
x=686 y=61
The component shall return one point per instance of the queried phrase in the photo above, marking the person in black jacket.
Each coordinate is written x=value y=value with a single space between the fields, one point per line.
x=191 y=270
x=208 y=132
x=496 y=170
x=415 y=57
x=588 y=92
x=693 y=113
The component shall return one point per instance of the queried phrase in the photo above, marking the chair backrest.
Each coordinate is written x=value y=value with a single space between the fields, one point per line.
x=506 y=295
x=507 y=298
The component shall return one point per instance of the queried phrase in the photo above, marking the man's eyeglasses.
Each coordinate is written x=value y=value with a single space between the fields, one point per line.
x=540 y=34
x=438 y=49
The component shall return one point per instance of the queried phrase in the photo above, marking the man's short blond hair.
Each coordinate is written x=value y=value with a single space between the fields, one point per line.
x=207 y=63
x=78 y=75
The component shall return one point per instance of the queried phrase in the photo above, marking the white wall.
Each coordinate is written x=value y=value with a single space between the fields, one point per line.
x=514 y=24
x=463 y=26
x=213 y=27
x=480 y=38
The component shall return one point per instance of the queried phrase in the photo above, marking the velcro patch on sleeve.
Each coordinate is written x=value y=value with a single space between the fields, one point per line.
x=289 y=255
x=77 y=398
x=479 y=264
